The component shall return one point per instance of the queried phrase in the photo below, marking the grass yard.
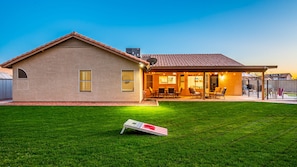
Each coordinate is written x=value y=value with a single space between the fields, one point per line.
x=200 y=134
x=291 y=94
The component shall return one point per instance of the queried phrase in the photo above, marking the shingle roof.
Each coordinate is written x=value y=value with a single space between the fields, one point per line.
x=189 y=60
x=200 y=62
x=78 y=36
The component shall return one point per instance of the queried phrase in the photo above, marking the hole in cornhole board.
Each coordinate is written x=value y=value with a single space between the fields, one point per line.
x=147 y=126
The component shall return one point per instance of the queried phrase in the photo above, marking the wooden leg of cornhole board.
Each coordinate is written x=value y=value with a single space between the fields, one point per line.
x=123 y=130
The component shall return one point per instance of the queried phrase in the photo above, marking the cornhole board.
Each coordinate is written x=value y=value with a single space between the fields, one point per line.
x=144 y=127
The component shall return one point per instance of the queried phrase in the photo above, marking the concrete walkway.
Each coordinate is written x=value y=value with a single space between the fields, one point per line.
x=148 y=101
x=143 y=103
x=232 y=98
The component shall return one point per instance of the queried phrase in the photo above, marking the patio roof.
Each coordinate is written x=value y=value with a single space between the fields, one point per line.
x=201 y=63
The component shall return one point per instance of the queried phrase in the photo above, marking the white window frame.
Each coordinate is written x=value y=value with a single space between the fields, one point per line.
x=24 y=72
x=79 y=81
x=128 y=90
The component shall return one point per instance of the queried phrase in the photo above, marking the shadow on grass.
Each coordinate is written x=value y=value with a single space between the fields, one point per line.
x=130 y=132
x=136 y=133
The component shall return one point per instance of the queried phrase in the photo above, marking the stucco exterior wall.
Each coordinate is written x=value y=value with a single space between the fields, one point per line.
x=233 y=82
x=53 y=75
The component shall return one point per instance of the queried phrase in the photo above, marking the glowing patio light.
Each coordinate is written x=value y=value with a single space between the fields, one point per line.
x=141 y=65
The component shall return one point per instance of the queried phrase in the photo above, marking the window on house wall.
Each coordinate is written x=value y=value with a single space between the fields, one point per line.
x=195 y=82
x=171 y=80
x=206 y=80
x=127 y=80
x=167 y=79
x=85 y=80
x=22 y=73
x=214 y=82
x=163 y=80
x=182 y=81
x=149 y=81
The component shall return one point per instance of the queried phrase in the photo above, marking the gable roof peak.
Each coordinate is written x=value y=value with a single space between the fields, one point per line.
x=78 y=36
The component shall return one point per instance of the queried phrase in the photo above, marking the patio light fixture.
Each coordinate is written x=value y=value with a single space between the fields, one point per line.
x=141 y=65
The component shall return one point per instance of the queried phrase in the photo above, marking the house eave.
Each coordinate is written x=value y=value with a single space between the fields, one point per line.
x=213 y=68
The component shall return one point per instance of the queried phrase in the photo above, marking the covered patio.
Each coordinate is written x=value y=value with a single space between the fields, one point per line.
x=203 y=73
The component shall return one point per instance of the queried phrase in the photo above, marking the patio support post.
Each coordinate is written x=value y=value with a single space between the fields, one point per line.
x=248 y=88
x=263 y=87
x=203 y=93
x=258 y=88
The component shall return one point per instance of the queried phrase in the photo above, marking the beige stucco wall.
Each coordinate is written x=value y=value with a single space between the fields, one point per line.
x=53 y=75
x=232 y=81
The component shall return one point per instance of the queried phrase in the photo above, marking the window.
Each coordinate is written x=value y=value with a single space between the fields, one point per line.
x=171 y=79
x=163 y=80
x=127 y=80
x=206 y=81
x=85 y=83
x=214 y=82
x=22 y=73
x=149 y=81
x=182 y=81
x=195 y=82
x=167 y=79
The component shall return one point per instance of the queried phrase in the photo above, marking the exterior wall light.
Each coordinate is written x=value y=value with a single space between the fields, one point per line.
x=141 y=65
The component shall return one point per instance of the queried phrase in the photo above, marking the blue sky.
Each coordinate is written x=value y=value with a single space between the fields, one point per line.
x=253 y=32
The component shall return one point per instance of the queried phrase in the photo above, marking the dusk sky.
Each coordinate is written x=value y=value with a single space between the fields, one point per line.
x=252 y=32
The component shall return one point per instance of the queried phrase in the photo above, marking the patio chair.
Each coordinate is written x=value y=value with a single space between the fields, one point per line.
x=153 y=94
x=171 y=92
x=161 y=92
x=194 y=93
x=222 y=93
x=177 y=93
x=216 y=91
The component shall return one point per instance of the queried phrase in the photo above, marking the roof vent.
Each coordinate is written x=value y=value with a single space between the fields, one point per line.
x=134 y=51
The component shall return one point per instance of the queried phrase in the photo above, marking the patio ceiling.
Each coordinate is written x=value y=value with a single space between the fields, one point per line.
x=212 y=68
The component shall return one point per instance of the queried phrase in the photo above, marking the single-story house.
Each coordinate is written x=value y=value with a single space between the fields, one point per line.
x=279 y=76
x=190 y=70
x=77 y=68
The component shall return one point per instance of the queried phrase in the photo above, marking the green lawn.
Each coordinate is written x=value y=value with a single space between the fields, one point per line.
x=199 y=134
x=291 y=94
